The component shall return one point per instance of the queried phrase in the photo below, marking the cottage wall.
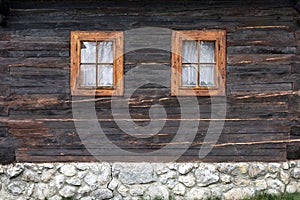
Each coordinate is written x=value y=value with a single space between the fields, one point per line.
x=262 y=101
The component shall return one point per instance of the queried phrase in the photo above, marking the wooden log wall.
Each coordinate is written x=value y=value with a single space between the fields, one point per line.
x=263 y=86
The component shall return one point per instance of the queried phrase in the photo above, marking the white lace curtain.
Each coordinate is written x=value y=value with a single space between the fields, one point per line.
x=101 y=67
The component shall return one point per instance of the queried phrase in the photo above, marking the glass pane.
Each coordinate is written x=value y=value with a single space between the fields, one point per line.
x=88 y=75
x=106 y=52
x=106 y=75
x=189 y=52
x=207 y=52
x=88 y=52
x=189 y=75
x=207 y=75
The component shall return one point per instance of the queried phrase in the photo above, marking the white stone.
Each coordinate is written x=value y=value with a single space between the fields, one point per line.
x=298 y=163
x=216 y=192
x=171 y=183
x=41 y=191
x=256 y=170
x=169 y=175
x=240 y=169
x=206 y=174
x=30 y=176
x=188 y=180
x=274 y=167
x=102 y=194
x=271 y=175
x=298 y=187
x=225 y=178
x=292 y=164
x=14 y=170
x=74 y=181
x=295 y=173
x=135 y=173
x=292 y=187
x=16 y=188
x=199 y=193
x=31 y=166
x=52 y=189
x=49 y=165
x=122 y=190
x=117 y=196
x=225 y=188
x=285 y=166
x=81 y=174
x=172 y=166
x=135 y=198
x=84 y=189
x=29 y=190
x=68 y=170
x=95 y=169
x=284 y=177
x=137 y=190
x=86 y=198
x=56 y=197
x=40 y=181
x=59 y=181
x=276 y=185
x=238 y=193
x=40 y=168
x=160 y=168
x=47 y=175
x=113 y=184
x=157 y=190
x=179 y=189
x=241 y=181
x=272 y=191
x=82 y=166
x=184 y=168
x=91 y=180
x=105 y=174
x=226 y=168
x=260 y=185
x=67 y=191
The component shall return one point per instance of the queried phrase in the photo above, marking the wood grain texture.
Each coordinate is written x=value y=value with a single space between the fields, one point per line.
x=262 y=79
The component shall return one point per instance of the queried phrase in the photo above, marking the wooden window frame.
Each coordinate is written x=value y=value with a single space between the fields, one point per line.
x=118 y=65
x=219 y=89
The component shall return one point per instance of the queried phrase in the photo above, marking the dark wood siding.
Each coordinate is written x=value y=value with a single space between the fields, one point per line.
x=262 y=77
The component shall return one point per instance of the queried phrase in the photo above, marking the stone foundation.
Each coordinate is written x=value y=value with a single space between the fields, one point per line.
x=86 y=181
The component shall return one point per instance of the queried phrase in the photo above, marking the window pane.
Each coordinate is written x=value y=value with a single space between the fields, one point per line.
x=106 y=75
x=88 y=52
x=207 y=75
x=88 y=75
x=106 y=52
x=189 y=75
x=189 y=52
x=207 y=52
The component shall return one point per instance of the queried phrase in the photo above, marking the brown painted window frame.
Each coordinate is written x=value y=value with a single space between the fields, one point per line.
x=219 y=36
x=118 y=66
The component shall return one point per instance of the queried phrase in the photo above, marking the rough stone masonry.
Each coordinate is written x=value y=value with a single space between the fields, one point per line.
x=87 y=181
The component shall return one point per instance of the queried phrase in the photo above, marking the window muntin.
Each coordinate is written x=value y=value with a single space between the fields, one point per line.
x=97 y=64
x=198 y=63
x=97 y=67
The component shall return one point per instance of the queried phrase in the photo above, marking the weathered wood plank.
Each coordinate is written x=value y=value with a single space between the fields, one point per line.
x=3 y=131
x=4 y=90
x=7 y=150
x=262 y=76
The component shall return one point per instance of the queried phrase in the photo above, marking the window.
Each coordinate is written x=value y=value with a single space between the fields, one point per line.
x=198 y=63
x=96 y=63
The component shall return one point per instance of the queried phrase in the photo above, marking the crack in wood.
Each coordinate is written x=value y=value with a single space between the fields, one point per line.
x=272 y=94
